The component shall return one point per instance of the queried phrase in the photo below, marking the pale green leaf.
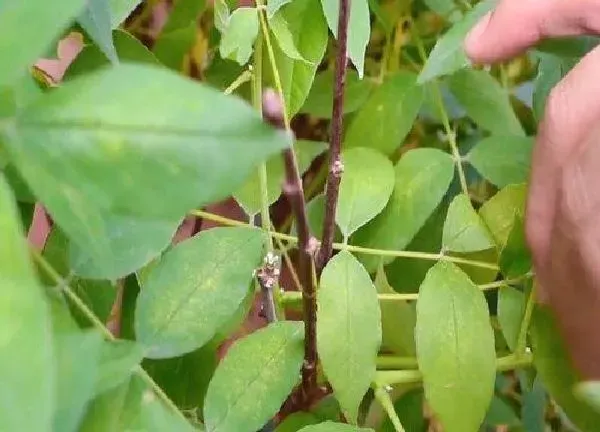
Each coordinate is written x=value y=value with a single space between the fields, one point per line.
x=552 y=362
x=388 y=115
x=274 y=5
x=117 y=361
x=26 y=347
x=77 y=361
x=365 y=188
x=589 y=391
x=499 y=211
x=398 y=319
x=281 y=29
x=129 y=49
x=20 y=49
x=319 y=102
x=221 y=15
x=95 y=20
x=464 y=231
x=239 y=35
x=309 y=30
x=422 y=179
x=359 y=29
x=94 y=149
x=455 y=348
x=511 y=307
x=195 y=288
x=503 y=159
x=485 y=101
x=254 y=379
x=448 y=54
x=348 y=330
x=330 y=426
x=121 y=9
x=249 y=195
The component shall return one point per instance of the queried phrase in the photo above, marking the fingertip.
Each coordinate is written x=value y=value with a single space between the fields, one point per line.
x=474 y=43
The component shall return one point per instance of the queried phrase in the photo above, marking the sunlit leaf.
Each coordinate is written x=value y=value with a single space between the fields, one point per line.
x=464 y=230
x=348 y=330
x=253 y=380
x=239 y=35
x=455 y=348
x=330 y=426
x=499 y=211
x=95 y=20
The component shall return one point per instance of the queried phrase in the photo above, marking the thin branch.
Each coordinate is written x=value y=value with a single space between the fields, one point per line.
x=273 y=113
x=268 y=278
x=336 y=166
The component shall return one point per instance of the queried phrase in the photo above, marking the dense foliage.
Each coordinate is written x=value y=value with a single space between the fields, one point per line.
x=424 y=317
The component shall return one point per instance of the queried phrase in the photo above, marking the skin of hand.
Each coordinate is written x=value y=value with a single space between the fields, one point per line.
x=563 y=203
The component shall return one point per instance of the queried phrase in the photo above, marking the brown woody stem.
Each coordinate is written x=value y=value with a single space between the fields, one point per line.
x=336 y=167
x=293 y=190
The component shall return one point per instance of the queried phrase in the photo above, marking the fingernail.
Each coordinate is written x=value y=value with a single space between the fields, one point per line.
x=476 y=32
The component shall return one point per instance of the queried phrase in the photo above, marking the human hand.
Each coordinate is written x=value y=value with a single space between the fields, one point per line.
x=563 y=205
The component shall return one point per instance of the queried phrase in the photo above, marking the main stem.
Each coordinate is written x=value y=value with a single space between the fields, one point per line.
x=336 y=167
x=273 y=112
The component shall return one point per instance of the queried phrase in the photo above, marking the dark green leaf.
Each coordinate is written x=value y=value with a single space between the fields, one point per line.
x=309 y=31
x=409 y=408
x=499 y=212
x=172 y=47
x=238 y=38
x=511 y=307
x=195 y=288
x=422 y=179
x=551 y=69
x=359 y=29
x=254 y=378
x=93 y=149
x=26 y=353
x=448 y=55
x=569 y=46
x=503 y=159
x=129 y=49
x=296 y=421
x=95 y=20
x=387 y=116
x=348 y=330
x=485 y=101
x=319 y=102
x=77 y=360
x=533 y=409
x=554 y=367
x=330 y=426
x=17 y=53
x=500 y=413
x=464 y=231
x=455 y=348
x=515 y=258
x=365 y=188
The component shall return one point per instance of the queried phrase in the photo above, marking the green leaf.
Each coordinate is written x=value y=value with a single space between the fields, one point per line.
x=398 y=319
x=515 y=258
x=221 y=15
x=254 y=378
x=195 y=288
x=129 y=50
x=499 y=211
x=511 y=308
x=464 y=231
x=239 y=36
x=95 y=21
x=444 y=8
x=120 y=10
x=330 y=426
x=26 y=353
x=485 y=101
x=533 y=408
x=249 y=195
x=19 y=53
x=589 y=391
x=551 y=70
x=184 y=13
x=117 y=361
x=348 y=330
x=501 y=413
x=365 y=188
x=359 y=29
x=77 y=360
x=319 y=102
x=388 y=115
x=296 y=421
x=502 y=159
x=93 y=149
x=455 y=348
x=448 y=54
x=409 y=408
x=422 y=179
x=281 y=30
x=309 y=31
x=274 y=5
x=554 y=367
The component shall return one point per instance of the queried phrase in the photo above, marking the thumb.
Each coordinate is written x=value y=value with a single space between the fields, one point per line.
x=516 y=25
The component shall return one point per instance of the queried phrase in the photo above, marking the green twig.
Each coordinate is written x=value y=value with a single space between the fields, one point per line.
x=384 y=399
x=521 y=348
